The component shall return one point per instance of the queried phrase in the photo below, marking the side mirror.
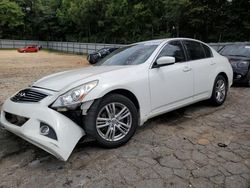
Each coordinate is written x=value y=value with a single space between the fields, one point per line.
x=165 y=60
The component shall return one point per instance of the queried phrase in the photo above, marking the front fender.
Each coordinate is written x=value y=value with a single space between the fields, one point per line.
x=141 y=93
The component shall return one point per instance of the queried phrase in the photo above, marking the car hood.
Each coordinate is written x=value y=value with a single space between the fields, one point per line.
x=61 y=80
x=238 y=58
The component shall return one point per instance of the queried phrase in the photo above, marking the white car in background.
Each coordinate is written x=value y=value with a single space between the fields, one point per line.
x=122 y=91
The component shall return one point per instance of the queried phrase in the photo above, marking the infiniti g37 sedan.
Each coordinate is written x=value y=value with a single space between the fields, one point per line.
x=110 y=100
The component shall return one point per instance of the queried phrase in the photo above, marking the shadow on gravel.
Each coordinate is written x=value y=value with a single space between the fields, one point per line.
x=240 y=85
x=177 y=116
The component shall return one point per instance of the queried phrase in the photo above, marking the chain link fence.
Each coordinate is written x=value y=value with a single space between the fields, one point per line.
x=70 y=47
x=76 y=47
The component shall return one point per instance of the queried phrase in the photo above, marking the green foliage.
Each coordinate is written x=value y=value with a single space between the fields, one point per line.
x=11 y=16
x=125 y=21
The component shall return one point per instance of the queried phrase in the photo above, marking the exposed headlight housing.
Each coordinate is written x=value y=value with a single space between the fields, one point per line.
x=239 y=64
x=74 y=96
x=243 y=64
x=233 y=63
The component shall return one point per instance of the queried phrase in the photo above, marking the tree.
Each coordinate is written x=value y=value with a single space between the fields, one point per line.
x=174 y=13
x=87 y=17
x=125 y=21
x=238 y=22
x=11 y=17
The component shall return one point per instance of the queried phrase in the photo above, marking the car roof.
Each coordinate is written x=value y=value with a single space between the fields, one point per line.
x=159 y=41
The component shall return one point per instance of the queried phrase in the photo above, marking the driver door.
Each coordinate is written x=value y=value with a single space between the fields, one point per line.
x=171 y=86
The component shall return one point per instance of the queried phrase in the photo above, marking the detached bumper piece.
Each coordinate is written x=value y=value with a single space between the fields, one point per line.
x=241 y=76
x=46 y=128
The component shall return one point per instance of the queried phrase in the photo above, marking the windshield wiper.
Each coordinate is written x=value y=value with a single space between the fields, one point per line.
x=239 y=56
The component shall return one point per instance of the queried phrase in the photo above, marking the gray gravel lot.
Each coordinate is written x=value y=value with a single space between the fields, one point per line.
x=177 y=149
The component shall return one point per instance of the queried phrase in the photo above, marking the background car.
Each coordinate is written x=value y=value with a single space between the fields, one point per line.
x=31 y=48
x=217 y=47
x=239 y=57
x=96 y=56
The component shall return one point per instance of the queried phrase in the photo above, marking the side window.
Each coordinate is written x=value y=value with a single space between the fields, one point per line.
x=173 y=49
x=194 y=50
x=207 y=50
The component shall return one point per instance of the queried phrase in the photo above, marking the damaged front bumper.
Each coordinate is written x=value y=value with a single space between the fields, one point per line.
x=28 y=121
x=241 y=75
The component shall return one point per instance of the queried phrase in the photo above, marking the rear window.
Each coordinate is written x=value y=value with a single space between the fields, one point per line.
x=195 y=50
x=217 y=47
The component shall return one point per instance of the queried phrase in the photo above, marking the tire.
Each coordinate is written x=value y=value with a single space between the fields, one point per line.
x=98 y=116
x=216 y=98
x=248 y=84
x=248 y=79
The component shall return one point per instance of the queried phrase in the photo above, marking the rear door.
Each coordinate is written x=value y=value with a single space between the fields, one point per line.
x=201 y=61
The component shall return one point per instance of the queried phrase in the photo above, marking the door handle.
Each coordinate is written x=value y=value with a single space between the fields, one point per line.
x=187 y=69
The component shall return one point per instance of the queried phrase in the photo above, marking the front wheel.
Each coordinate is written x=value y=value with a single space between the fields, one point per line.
x=112 y=121
x=220 y=89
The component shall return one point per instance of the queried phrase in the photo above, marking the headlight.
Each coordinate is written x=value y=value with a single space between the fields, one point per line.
x=233 y=63
x=75 y=95
x=243 y=64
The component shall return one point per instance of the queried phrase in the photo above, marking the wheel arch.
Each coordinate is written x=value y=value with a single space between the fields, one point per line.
x=222 y=73
x=127 y=94
x=225 y=76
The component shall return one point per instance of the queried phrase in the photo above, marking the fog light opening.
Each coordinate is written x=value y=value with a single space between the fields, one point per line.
x=44 y=130
x=47 y=131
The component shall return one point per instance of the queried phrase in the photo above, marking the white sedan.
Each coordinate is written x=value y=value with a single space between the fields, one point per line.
x=110 y=100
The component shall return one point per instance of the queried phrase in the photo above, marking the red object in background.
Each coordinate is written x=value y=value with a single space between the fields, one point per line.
x=28 y=49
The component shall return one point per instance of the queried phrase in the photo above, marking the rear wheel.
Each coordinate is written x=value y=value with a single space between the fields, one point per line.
x=248 y=83
x=248 y=79
x=112 y=121
x=219 y=91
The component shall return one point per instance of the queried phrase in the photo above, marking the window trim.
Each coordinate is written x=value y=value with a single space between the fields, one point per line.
x=201 y=44
x=211 y=53
x=167 y=43
x=185 y=51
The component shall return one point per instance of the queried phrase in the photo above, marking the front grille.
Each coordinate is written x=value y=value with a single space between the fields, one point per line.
x=15 y=119
x=29 y=95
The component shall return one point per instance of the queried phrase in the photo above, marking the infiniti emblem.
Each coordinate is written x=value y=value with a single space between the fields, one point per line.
x=21 y=94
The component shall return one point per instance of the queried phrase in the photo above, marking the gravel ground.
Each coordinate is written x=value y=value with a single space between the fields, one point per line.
x=178 y=149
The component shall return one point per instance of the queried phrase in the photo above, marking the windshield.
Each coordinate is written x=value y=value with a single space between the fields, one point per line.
x=129 y=55
x=236 y=50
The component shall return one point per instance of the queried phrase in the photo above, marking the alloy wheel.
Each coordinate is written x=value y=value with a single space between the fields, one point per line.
x=220 y=90
x=114 y=121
